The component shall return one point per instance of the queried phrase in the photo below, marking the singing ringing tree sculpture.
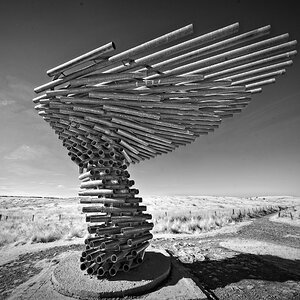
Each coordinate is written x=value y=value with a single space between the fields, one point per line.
x=118 y=110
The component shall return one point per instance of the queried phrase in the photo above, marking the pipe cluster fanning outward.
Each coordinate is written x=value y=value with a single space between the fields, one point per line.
x=114 y=110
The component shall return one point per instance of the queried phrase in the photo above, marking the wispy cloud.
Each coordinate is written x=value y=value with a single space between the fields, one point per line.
x=6 y=102
x=5 y=188
x=22 y=170
x=15 y=94
x=26 y=152
x=30 y=160
x=2 y=148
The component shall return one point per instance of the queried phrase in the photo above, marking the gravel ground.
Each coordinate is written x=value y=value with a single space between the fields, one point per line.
x=26 y=266
x=278 y=233
x=225 y=274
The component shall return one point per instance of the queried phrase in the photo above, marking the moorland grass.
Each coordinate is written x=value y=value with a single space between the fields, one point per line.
x=23 y=230
x=292 y=213
x=206 y=222
x=14 y=230
x=31 y=220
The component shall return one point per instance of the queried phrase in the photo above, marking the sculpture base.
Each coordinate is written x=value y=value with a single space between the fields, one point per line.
x=69 y=280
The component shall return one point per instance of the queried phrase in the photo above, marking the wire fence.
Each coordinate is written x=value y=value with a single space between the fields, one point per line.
x=34 y=217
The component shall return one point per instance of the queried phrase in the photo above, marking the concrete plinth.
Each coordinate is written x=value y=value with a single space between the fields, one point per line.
x=69 y=280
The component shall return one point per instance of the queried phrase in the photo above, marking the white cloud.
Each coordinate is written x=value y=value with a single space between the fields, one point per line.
x=60 y=186
x=5 y=188
x=22 y=169
x=6 y=102
x=2 y=149
x=15 y=94
x=26 y=152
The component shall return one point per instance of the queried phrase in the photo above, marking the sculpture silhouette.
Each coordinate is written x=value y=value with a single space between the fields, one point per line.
x=112 y=111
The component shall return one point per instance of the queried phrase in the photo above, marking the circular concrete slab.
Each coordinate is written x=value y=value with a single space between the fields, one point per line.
x=69 y=280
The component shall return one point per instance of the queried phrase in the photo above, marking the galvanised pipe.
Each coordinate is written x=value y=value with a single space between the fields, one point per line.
x=96 y=53
x=184 y=46
x=125 y=55
x=222 y=45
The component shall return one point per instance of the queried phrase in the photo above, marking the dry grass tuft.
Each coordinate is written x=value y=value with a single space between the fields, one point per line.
x=292 y=213
x=206 y=222
x=39 y=220
x=22 y=231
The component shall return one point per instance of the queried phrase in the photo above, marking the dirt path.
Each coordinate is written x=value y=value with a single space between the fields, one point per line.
x=221 y=272
x=278 y=233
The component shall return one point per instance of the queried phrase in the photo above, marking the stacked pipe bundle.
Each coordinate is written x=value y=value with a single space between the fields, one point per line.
x=119 y=229
x=111 y=111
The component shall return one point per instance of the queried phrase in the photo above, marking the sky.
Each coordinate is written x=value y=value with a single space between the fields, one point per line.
x=255 y=153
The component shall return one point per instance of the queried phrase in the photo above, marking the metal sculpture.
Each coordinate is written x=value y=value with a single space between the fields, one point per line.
x=112 y=111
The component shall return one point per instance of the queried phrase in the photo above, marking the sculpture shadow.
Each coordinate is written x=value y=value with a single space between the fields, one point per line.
x=219 y=273
x=212 y=274
x=215 y=273
x=155 y=264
